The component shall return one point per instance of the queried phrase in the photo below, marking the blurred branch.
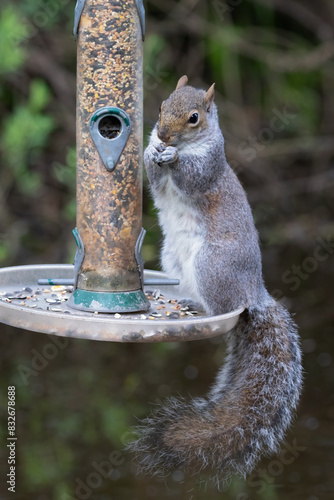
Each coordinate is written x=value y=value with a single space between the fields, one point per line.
x=309 y=184
x=310 y=145
x=303 y=14
x=278 y=60
x=42 y=63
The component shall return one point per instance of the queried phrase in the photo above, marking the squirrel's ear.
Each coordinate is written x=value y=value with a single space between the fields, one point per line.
x=210 y=95
x=182 y=82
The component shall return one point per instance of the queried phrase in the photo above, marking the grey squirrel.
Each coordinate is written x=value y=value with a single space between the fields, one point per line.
x=211 y=244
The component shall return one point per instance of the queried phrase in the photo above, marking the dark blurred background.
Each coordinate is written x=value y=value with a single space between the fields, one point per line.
x=272 y=62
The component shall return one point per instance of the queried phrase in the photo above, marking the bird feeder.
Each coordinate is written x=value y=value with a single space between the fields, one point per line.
x=106 y=294
x=109 y=158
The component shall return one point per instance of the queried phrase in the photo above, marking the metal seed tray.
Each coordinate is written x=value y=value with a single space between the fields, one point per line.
x=27 y=305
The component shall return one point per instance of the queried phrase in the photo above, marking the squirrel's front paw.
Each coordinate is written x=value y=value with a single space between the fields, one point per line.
x=151 y=153
x=169 y=155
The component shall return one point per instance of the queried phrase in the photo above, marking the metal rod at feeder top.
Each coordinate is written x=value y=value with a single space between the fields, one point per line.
x=109 y=155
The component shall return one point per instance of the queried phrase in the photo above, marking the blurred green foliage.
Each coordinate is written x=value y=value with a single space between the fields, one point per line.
x=25 y=134
x=267 y=59
x=12 y=54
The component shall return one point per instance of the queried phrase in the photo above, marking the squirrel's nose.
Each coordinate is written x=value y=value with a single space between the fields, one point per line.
x=163 y=134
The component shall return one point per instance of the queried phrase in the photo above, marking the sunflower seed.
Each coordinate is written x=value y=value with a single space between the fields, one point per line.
x=155 y=315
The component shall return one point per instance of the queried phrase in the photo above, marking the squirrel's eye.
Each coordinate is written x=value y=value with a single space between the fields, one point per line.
x=194 y=118
x=160 y=109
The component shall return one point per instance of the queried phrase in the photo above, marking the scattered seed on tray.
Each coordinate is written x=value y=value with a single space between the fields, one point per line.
x=52 y=299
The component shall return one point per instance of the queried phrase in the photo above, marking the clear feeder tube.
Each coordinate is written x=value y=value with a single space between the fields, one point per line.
x=109 y=178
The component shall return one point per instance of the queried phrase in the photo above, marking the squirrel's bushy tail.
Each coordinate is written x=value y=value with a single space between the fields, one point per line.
x=247 y=412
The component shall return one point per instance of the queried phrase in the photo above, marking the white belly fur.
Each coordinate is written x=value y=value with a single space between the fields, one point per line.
x=182 y=239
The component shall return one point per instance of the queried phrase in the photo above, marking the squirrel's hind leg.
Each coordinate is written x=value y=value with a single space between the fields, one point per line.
x=232 y=287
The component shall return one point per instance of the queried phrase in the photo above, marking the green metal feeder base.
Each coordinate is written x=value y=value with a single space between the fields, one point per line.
x=109 y=302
